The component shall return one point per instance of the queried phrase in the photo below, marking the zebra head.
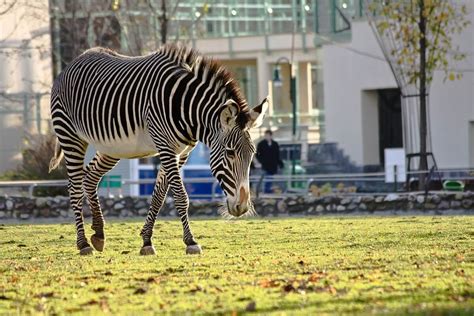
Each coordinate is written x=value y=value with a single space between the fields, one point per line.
x=232 y=153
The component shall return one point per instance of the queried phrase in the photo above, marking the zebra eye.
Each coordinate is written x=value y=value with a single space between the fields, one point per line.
x=230 y=152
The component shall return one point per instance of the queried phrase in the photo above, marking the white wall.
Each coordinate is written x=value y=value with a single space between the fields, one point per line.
x=452 y=107
x=347 y=73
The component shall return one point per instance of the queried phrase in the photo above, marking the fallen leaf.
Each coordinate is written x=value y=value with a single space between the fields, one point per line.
x=198 y=288
x=153 y=280
x=459 y=257
x=45 y=295
x=243 y=298
x=289 y=288
x=266 y=283
x=357 y=277
x=104 y=306
x=40 y=307
x=315 y=277
x=251 y=306
x=140 y=290
x=91 y=302
x=14 y=279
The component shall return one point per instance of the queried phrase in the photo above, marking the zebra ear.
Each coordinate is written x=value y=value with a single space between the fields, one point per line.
x=229 y=113
x=257 y=114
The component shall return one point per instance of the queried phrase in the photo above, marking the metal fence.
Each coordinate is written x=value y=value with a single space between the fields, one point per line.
x=281 y=185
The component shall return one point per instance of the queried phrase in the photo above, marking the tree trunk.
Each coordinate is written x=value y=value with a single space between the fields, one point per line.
x=163 y=23
x=423 y=112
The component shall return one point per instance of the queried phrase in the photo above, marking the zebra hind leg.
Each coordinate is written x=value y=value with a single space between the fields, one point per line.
x=95 y=170
x=74 y=151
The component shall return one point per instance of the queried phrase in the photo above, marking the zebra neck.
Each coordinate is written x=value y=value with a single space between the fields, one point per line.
x=209 y=129
x=203 y=116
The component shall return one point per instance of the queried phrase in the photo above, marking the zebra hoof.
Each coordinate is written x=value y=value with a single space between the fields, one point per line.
x=193 y=250
x=86 y=251
x=98 y=243
x=147 y=251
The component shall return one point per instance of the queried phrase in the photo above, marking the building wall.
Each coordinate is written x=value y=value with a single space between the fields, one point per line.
x=351 y=78
x=452 y=107
x=25 y=75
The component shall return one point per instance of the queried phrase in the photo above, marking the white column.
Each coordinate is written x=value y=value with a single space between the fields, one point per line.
x=263 y=75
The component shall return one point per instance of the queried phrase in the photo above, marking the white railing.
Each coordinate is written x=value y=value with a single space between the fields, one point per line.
x=295 y=184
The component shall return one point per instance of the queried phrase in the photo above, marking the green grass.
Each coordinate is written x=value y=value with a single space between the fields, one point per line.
x=394 y=265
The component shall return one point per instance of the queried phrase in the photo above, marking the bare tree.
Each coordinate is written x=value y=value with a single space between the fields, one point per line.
x=78 y=25
x=417 y=38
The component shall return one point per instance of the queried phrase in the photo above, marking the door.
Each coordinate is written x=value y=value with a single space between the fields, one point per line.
x=390 y=120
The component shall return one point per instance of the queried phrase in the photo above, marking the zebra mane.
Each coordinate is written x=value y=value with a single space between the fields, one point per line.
x=193 y=62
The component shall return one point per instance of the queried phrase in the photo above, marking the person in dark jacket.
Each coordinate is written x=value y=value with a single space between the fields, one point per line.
x=268 y=155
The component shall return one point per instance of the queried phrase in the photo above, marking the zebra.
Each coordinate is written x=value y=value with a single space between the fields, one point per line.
x=158 y=104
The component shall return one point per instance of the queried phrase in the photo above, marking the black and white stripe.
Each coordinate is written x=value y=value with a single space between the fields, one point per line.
x=162 y=103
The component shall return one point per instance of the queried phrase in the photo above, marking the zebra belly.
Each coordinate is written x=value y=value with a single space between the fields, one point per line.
x=139 y=145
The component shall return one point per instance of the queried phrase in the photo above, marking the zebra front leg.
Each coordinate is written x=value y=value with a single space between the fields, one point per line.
x=157 y=200
x=95 y=170
x=170 y=164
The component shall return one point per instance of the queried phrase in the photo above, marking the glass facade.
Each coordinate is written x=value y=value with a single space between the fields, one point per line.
x=138 y=27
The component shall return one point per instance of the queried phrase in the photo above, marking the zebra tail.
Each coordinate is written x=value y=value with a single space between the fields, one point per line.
x=58 y=156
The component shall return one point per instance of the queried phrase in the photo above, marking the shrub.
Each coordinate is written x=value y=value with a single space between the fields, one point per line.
x=36 y=157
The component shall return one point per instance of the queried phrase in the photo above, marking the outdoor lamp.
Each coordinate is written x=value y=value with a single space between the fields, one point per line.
x=278 y=83
x=276 y=77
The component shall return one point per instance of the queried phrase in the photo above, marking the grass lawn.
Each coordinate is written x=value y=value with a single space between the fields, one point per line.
x=395 y=265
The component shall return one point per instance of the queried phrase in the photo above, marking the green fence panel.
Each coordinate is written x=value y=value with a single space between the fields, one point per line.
x=114 y=182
